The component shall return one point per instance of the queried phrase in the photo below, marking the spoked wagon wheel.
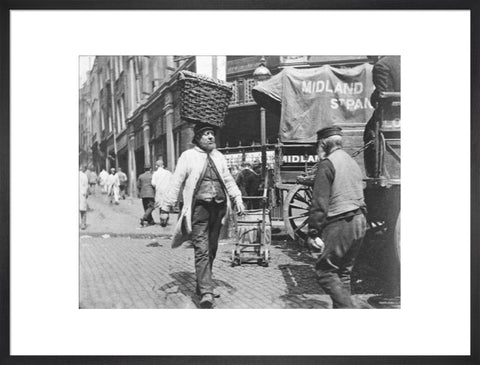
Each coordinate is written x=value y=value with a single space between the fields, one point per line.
x=295 y=211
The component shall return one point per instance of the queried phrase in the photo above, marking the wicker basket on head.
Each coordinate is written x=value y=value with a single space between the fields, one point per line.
x=203 y=99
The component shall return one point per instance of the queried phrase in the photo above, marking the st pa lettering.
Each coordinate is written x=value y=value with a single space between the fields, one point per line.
x=351 y=104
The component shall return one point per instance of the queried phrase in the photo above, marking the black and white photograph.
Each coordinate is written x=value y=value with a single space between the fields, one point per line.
x=261 y=162
x=237 y=182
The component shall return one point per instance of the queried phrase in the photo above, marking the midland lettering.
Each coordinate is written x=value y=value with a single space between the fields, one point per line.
x=340 y=88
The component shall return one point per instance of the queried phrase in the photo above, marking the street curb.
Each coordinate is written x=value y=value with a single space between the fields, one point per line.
x=279 y=237
x=124 y=235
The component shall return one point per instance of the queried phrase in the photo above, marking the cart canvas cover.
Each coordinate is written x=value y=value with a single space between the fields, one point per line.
x=310 y=99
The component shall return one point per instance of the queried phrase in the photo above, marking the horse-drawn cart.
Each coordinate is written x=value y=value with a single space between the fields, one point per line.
x=323 y=97
x=382 y=188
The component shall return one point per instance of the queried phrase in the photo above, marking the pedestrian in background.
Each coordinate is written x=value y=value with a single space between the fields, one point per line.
x=160 y=181
x=92 y=180
x=83 y=195
x=122 y=177
x=337 y=223
x=234 y=171
x=146 y=192
x=103 y=180
x=113 y=187
x=202 y=173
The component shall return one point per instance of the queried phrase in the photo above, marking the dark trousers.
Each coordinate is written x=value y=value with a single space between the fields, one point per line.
x=148 y=207
x=343 y=240
x=206 y=224
x=123 y=191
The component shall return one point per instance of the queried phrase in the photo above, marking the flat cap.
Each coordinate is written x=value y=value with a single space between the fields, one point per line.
x=200 y=128
x=329 y=131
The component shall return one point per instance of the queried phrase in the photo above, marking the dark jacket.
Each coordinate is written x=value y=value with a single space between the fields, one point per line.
x=145 y=187
x=248 y=182
x=386 y=76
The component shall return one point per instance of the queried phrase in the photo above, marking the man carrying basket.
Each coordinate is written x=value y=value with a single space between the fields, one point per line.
x=208 y=187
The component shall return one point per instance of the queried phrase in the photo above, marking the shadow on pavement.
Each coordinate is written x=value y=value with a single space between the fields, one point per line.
x=370 y=274
x=295 y=251
x=296 y=301
x=184 y=282
x=301 y=283
x=373 y=272
x=300 y=279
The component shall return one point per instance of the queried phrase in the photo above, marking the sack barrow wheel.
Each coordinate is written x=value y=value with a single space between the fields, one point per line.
x=266 y=257
x=235 y=260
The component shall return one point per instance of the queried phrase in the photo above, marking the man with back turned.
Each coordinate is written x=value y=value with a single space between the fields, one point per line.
x=337 y=223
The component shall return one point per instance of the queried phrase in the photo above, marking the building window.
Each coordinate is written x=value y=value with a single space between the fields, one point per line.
x=136 y=79
x=242 y=91
x=100 y=78
x=94 y=119
x=122 y=110
x=102 y=119
x=118 y=67
x=120 y=114
x=234 y=100
x=249 y=85
x=146 y=77
x=120 y=63
x=110 y=123
x=118 y=121
x=115 y=67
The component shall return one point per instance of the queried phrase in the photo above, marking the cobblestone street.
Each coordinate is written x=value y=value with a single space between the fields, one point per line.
x=125 y=266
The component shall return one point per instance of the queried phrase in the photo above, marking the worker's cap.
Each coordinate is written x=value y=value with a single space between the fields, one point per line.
x=328 y=132
x=201 y=128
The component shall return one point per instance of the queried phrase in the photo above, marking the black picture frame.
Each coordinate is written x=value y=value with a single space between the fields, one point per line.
x=6 y=6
